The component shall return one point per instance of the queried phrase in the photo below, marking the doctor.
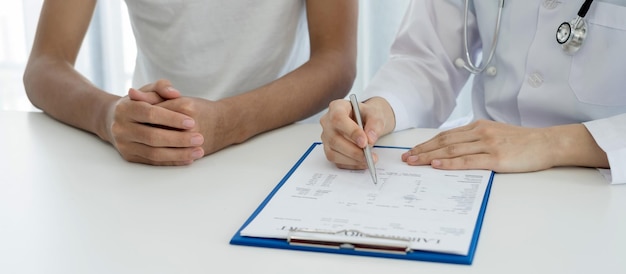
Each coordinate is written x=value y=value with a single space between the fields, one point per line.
x=546 y=93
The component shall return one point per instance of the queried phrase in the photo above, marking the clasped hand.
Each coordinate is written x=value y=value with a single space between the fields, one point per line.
x=156 y=125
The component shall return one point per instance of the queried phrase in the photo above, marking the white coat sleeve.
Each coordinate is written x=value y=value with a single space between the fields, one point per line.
x=610 y=134
x=420 y=80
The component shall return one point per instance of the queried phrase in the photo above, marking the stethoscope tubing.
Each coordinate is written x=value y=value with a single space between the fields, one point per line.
x=570 y=45
x=470 y=66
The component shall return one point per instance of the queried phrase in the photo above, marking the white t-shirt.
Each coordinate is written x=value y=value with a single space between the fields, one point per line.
x=214 y=49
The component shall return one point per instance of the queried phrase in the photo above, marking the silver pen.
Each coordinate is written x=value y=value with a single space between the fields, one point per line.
x=367 y=150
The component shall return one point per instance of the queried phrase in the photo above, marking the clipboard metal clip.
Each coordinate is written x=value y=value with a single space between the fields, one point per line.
x=349 y=239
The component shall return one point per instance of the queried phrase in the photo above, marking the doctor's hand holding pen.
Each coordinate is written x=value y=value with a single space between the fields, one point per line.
x=482 y=144
x=344 y=139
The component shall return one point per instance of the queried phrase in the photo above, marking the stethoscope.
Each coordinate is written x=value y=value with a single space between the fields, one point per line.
x=570 y=35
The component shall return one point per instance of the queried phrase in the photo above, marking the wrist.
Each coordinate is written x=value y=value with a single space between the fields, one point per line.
x=573 y=145
x=224 y=125
x=104 y=118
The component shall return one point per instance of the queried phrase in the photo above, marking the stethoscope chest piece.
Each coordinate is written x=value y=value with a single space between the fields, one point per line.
x=570 y=35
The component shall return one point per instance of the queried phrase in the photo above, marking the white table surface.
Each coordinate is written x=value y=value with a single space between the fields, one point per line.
x=70 y=204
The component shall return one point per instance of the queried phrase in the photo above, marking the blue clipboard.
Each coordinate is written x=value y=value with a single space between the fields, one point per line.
x=418 y=255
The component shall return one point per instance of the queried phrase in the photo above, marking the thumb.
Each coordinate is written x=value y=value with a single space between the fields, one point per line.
x=164 y=89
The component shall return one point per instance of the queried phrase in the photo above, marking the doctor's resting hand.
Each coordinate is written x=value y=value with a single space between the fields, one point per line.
x=482 y=144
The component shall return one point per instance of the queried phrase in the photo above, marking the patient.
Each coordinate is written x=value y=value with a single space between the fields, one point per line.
x=209 y=74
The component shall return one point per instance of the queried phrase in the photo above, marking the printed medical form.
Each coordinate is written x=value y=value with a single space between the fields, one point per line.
x=436 y=210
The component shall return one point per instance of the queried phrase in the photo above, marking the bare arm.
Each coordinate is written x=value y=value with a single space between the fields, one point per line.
x=328 y=75
x=53 y=85
x=51 y=82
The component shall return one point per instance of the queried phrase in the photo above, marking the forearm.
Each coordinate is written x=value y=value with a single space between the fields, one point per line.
x=298 y=95
x=327 y=75
x=61 y=92
x=573 y=145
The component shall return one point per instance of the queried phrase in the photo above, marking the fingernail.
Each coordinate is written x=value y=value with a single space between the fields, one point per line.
x=435 y=163
x=197 y=153
x=189 y=123
x=361 y=142
x=197 y=140
x=172 y=89
x=412 y=159
x=372 y=135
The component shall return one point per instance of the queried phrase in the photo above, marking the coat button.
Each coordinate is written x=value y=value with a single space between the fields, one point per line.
x=535 y=80
x=551 y=4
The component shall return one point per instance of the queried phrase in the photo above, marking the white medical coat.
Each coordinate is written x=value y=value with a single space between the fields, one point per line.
x=537 y=84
